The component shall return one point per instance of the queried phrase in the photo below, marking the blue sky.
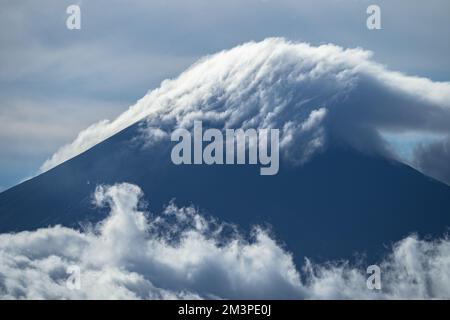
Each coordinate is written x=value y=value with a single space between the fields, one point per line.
x=54 y=82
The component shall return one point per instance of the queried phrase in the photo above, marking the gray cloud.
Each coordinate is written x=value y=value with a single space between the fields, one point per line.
x=31 y=128
x=182 y=254
x=434 y=159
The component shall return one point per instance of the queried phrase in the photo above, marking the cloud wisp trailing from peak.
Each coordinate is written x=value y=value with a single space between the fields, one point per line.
x=309 y=93
x=182 y=254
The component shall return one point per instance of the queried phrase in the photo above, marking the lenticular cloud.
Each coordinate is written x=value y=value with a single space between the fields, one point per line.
x=182 y=254
x=309 y=93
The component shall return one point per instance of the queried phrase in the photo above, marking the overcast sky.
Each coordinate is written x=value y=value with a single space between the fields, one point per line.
x=55 y=82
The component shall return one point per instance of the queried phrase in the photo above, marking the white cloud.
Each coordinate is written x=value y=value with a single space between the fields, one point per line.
x=182 y=254
x=245 y=86
x=307 y=92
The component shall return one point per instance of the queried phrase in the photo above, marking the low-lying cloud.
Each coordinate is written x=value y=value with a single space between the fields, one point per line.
x=310 y=93
x=183 y=254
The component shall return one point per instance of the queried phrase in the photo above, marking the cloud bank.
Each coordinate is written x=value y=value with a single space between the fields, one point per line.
x=310 y=93
x=183 y=254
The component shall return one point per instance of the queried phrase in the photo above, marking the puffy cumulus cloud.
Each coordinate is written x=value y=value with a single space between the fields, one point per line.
x=183 y=254
x=309 y=93
x=131 y=255
x=415 y=269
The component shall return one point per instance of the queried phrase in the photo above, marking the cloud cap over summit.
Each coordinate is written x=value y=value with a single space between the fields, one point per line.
x=310 y=93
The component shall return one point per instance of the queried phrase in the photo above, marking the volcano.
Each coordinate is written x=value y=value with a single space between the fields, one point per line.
x=337 y=193
x=340 y=203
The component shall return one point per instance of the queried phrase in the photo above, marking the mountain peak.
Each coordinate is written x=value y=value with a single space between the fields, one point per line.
x=309 y=93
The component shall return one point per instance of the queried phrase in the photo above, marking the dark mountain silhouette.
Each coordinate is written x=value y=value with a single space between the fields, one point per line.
x=339 y=203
